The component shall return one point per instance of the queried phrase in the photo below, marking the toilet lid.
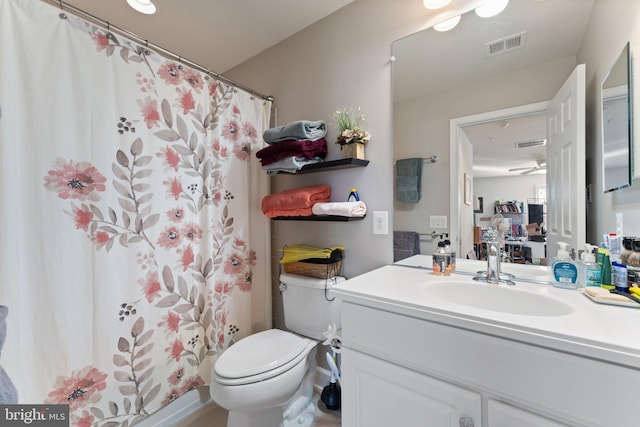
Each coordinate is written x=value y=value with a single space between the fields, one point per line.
x=259 y=353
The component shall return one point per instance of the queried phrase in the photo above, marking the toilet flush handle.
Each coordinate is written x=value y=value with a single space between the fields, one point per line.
x=282 y=287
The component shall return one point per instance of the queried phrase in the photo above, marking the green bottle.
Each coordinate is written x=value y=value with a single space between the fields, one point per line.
x=606 y=271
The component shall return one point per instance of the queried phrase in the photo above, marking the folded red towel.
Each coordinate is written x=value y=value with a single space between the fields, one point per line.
x=296 y=201
x=307 y=149
x=288 y=212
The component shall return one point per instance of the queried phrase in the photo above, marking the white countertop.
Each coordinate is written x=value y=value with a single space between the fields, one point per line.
x=606 y=332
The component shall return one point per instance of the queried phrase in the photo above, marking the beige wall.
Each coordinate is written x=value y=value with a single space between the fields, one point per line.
x=344 y=60
x=340 y=61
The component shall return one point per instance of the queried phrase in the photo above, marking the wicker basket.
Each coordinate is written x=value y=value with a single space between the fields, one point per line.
x=322 y=271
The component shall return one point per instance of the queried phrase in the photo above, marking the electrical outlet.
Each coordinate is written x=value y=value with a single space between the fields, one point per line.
x=380 y=222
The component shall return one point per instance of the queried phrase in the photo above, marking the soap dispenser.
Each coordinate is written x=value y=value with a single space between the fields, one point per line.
x=441 y=260
x=591 y=273
x=565 y=271
x=452 y=253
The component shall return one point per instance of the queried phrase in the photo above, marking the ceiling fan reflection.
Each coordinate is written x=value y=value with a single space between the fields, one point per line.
x=540 y=165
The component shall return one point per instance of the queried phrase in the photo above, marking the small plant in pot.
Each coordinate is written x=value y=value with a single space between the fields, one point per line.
x=352 y=137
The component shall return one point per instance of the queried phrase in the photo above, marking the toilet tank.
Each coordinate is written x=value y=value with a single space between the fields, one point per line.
x=309 y=305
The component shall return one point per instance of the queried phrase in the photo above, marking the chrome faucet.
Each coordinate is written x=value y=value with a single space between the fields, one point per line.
x=493 y=274
x=493 y=256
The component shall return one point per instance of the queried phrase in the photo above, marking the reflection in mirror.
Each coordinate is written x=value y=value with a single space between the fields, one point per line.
x=616 y=124
x=438 y=77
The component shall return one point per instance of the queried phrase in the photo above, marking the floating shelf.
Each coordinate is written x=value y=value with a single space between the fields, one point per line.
x=331 y=164
x=335 y=218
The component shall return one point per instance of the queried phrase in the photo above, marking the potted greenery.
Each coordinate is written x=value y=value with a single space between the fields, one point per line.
x=352 y=137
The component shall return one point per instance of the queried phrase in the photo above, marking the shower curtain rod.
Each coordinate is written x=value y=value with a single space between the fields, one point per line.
x=160 y=50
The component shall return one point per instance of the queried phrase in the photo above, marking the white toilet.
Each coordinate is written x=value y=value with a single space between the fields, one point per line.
x=266 y=379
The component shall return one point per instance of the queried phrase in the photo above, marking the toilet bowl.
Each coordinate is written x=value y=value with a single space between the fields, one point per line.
x=266 y=379
x=263 y=395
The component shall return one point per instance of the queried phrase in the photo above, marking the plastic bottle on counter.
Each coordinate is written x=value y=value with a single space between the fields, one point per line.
x=591 y=273
x=606 y=270
x=565 y=271
x=441 y=260
x=452 y=253
x=619 y=276
x=353 y=196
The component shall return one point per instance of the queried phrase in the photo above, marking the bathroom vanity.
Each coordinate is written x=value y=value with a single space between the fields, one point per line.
x=425 y=350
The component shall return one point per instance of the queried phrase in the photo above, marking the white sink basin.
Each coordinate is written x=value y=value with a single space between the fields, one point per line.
x=504 y=299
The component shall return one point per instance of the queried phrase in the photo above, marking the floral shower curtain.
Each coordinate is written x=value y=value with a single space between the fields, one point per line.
x=132 y=248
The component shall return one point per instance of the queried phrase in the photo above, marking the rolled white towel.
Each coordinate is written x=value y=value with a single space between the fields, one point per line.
x=340 y=208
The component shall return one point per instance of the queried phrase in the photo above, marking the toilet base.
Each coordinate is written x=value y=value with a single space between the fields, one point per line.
x=304 y=419
x=267 y=417
x=299 y=412
x=272 y=418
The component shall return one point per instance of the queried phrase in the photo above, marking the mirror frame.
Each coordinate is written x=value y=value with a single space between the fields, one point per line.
x=626 y=55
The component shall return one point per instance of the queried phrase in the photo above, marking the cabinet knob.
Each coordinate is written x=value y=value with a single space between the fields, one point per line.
x=465 y=422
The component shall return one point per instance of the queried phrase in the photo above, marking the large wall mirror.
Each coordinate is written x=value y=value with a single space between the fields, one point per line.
x=617 y=124
x=515 y=61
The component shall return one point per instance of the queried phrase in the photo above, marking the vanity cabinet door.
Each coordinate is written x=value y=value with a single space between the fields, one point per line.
x=503 y=415
x=376 y=393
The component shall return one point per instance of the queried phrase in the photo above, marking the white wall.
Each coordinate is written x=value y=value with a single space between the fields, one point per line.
x=613 y=23
x=520 y=188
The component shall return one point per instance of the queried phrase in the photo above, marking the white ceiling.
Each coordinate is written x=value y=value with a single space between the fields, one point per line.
x=216 y=34
x=494 y=146
x=429 y=62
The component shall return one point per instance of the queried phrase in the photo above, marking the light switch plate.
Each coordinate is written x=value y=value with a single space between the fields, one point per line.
x=438 y=221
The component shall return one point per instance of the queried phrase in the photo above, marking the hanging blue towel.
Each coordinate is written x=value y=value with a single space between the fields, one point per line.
x=405 y=244
x=409 y=179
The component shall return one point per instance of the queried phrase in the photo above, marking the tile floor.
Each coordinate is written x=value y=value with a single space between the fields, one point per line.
x=218 y=417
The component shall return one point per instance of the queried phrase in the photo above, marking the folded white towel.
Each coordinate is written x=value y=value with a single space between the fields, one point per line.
x=340 y=208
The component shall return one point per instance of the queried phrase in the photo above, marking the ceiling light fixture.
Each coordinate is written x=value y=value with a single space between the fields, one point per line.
x=143 y=6
x=448 y=24
x=435 y=4
x=491 y=8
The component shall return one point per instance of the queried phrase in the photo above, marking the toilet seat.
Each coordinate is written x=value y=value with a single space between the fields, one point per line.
x=261 y=356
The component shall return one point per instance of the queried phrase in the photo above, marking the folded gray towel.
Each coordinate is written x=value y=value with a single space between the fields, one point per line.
x=300 y=130
x=409 y=180
x=290 y=164
x=8 y=392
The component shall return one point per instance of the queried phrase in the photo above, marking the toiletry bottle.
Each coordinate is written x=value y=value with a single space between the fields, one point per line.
x=606 y=270
x=619 y=276
x=441 y=260
x=565 y=271
x=353 y=196
x=452 y=253
x=591 y=271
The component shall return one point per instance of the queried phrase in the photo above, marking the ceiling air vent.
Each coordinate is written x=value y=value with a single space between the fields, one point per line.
x=531 y=143
x=506 y=44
